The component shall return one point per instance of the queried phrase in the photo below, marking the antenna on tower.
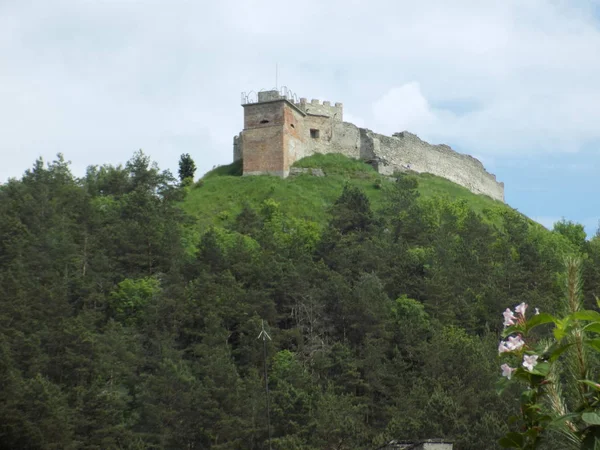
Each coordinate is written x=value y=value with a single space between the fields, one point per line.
x=276 y=77
x=266 y=336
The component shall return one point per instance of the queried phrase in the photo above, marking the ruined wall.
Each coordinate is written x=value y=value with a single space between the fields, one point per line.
x=334 y=137
x=238 y=149
x=406 y=151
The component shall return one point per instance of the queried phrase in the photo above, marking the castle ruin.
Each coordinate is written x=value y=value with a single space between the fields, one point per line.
x=280 y=129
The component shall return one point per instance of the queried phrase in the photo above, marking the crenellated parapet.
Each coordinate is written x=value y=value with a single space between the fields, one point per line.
x=317 y=108
x=314 y=108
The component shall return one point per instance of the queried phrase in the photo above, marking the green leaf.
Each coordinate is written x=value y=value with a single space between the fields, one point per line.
x=511 y=330
x=502 y=384
x=541 y=369
x=594 y=343
x=540 y=319
x=591 y=417
x=527 y=396
x=560 y=330
x=511 y=440
x=556 y=350
x=522 y=374
x=561 y=422
x=593 y=327
x=590 y=383
x=586 y=315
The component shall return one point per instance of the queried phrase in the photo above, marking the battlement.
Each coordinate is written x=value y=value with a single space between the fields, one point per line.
x=314 y=108
x=317 y=108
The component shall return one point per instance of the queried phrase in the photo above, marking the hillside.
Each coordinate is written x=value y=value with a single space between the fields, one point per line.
x=130 y=308
x=216 y=197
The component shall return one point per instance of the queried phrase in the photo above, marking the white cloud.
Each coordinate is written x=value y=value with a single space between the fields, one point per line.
x=404 y=108
x=97 y=80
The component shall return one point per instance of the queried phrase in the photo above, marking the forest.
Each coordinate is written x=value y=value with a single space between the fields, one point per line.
x=128 y=322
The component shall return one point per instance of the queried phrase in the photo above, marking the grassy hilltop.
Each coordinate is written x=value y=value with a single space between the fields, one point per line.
x=221 y=193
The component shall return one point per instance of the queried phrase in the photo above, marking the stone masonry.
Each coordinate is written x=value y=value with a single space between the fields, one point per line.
x=278 y=131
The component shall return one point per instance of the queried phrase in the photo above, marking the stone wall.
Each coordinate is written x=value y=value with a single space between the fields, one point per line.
x=334 y=137
x=238 y=149
x=405 y=151
x=294 y=135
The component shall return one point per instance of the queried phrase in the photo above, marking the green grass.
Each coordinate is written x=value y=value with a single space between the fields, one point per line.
x=433 y=186
x=233 y=169
x=220 y=194
x=334 y=163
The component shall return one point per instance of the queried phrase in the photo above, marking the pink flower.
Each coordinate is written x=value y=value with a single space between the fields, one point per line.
x=520 y=309
x=507 y=371
x=503 y=347
x=509 y=317
x=515 y=343
x=530 y=361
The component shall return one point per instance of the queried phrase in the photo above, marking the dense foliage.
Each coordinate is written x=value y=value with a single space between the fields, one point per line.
x=122 y=326
x=187 y=167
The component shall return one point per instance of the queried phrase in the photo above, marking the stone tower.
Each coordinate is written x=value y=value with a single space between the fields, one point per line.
x=273 y=133
x=279 y=130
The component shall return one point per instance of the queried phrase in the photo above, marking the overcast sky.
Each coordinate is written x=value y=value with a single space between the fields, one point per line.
x=514 y=83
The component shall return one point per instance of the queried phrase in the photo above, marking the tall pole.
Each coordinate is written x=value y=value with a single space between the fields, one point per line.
x=264 y=336
x=276 y=77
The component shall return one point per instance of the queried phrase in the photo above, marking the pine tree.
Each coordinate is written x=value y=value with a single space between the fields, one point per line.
x=187 y=167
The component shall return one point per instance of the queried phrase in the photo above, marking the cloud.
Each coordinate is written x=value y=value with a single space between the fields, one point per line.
x=98 y=80
x=404 y=108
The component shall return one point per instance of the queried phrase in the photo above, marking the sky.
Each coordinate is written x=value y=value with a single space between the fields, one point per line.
x=515 y=83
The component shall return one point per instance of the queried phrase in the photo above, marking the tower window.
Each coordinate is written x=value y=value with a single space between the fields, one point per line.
x=264 y=121
x=292 y=125
x=314 y=133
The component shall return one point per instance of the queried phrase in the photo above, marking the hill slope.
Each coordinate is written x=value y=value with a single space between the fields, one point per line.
x=124 y=324
x=222 y=192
